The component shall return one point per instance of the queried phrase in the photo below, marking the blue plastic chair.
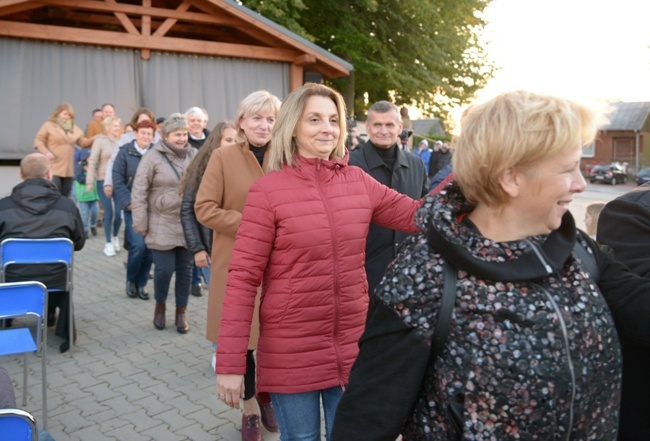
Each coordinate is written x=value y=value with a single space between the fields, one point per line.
x=25 y=300
x=17 y=425
x=41 y=251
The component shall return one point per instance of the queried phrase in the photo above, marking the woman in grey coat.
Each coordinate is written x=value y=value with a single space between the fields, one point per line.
x=156 y=206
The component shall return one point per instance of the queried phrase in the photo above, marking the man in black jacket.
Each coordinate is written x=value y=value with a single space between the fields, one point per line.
x=400 y=170
x=624 y=225
x=36 y=210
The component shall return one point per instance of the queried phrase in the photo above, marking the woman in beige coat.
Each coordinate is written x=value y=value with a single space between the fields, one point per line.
x=156 y=210
x=56 y=140
x=103 y=148
x=219 y=204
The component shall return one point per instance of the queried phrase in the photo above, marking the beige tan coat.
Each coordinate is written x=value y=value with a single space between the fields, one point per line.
x=51 y=138
x=219 y=204
x=103 y=148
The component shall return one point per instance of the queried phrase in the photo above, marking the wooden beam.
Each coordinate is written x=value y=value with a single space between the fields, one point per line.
x=120 y=39
x=253 y=22
x=170 y=22
x=295 y=77
x=124 y=19
x=145 y=54
x=92 y=5
x=4 y=3
x=304 y=59
x=18 y=8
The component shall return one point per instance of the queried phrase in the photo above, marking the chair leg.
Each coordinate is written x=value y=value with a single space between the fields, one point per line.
x=70 y=320
x=44 y=375
x=24 y=379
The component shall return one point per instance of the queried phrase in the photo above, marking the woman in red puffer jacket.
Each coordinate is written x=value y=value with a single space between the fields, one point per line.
x=302 y=236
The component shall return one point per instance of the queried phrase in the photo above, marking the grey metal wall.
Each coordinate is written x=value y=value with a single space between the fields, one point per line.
x=35 y=76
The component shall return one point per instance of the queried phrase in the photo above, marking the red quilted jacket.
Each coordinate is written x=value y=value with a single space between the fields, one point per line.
x=303 y=234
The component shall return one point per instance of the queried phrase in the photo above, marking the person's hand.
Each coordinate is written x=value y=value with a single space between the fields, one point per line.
x=50 y=156
x=108 y=191
x=202 y=259
x=128 y=207
x=90 y=187
x=230 y=389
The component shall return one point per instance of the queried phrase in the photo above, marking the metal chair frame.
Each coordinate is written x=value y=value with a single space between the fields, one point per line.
x=14 y=251
x=25 y=300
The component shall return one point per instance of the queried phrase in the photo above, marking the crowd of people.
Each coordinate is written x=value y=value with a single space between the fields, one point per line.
x=330 y=262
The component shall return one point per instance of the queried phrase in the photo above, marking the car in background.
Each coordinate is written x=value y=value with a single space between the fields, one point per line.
x=643 y=176
x=611 y=173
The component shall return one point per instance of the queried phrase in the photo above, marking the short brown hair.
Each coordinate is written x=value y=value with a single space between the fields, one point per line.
x=34 y=165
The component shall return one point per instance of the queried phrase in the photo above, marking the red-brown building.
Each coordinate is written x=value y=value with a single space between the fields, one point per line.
x=625 y=138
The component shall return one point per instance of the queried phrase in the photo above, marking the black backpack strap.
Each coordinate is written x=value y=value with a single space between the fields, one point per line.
x=447 y=303
x=588 y=260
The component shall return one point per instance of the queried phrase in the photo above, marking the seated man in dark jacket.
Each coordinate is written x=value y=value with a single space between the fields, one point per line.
x=36 y=210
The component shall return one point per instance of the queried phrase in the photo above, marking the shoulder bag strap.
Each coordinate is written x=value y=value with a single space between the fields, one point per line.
x=173 y=167
x=447 y=303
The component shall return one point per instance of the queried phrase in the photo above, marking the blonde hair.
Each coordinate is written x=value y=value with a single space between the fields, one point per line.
x=515 y=130
x=108 y=122
x=260 y=101
x=60 y=108
x=594 y=209
x=283 y=145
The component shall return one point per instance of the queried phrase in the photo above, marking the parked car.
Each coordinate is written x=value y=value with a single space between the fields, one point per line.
x=643 y=176
x=610 y=173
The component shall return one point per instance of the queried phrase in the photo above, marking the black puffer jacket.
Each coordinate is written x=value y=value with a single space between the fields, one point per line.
x=36 y=210
x=197 y=236
x=532 y=352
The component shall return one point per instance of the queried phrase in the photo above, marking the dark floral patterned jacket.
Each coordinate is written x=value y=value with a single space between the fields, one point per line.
x=532 y=352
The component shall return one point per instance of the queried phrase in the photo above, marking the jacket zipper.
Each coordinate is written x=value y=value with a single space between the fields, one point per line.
x=565 y=336
x=335 y=262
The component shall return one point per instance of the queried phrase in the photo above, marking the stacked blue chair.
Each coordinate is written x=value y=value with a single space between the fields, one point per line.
x=17 y=425
x=37 y=252
x=25 y=300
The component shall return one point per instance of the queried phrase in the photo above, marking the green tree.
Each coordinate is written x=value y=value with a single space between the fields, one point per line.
x=423 y=53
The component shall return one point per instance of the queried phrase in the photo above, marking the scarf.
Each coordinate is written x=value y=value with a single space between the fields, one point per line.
x=181 y=153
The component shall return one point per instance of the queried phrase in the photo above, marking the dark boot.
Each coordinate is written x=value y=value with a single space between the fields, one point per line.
x=181 y=321
x=159 y=316
x=267 y=412
x=250 y=428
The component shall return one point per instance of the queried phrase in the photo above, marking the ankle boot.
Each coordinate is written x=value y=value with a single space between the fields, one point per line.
x=159 y=316
x=181 y=321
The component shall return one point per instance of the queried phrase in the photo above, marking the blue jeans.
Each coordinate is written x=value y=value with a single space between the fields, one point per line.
x=111 y=213
x=177 y=260
x=140 y=257
x=89 y=213
x=298 y=414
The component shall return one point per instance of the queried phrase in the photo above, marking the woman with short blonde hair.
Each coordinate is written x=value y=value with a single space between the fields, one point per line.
x=538 y=127
x=219 y=204
x=102 y=150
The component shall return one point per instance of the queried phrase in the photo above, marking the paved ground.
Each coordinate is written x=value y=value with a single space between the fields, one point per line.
x=126 y=380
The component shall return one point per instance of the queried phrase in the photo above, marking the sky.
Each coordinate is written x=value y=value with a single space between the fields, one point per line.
x=591 y=51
